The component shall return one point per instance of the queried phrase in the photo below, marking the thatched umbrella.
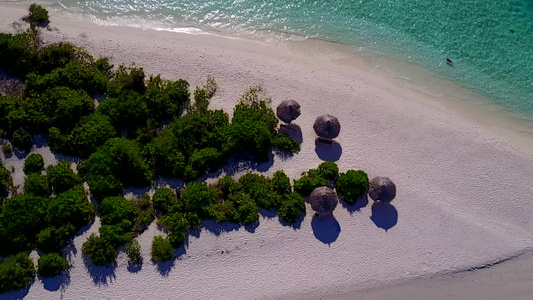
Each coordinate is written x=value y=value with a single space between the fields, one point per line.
x=323 y=200
x=327 y=127
x=288 y=111
x=382 y=189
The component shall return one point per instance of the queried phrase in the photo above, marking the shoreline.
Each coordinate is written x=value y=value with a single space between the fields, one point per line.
x=453 y=174
x=413 y=81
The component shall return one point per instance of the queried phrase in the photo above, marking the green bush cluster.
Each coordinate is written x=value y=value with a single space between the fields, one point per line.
x=6 y=181
x=34 y=219
x=51 y=264
x=16 y=272
x=133 y=250
x=162 y=250
x=38 y=14
x=121 y=222
x=326 y=173
x=34 y=163
x=352 y=185
x=118 y=163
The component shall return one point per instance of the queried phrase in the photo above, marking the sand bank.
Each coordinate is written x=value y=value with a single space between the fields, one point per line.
x=464 y=188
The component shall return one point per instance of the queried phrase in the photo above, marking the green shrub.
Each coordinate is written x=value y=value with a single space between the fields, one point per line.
x=163 y=149
x=281 y=183
x=22 y=139
x=88 y=135
x=164 y=199
x=99 y=251
x=38 y=14
x=228 y=185
x=113 y=210
x=6 y=181
x=284 y=143
x=292 y=208
x=16 y=272
x=62 y=178
x=352 y=185
x=19 y=53
x=118 y=234
x=126 y=110
x=75 y=75
x=309 y=181
x=176 y=225
x=34 y=163
x=51 y=264
x=198 y=197
x=199 y=131
x=58 y=56
x=6 y=147
x=165 y=98
x=201 y=100
x=162 y=250
x=133 y=250
x=54 y=239
x=21 y=218
x=70 y=207
x=193 y=220
x=260 y=190
x=118 y=161
x=253 y=125
x=126 y=79
x=37 y=184
x=144 y=219
x=201 y=161
x=329 y=170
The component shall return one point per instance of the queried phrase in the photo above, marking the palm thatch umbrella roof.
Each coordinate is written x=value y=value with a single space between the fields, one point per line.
x=323 y=200
x=288 y=111
x=382 y=189
x=327 y=127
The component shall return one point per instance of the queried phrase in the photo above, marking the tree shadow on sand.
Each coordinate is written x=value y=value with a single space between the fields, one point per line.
x=296 y=225
x=326 y=229
x=384 y=215
x=60 y=281
x=164 y=268
x=101 y=275
x=17 y=295
x=135 y=267
x=328 y=150
x=359 y=203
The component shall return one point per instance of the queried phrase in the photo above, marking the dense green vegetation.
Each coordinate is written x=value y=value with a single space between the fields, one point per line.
x=142 y=127
x=16 y=272
x=52 y=209
x=51 y=264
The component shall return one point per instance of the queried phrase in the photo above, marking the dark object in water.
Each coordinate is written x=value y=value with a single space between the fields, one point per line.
x=449 y=61
x=510 y=30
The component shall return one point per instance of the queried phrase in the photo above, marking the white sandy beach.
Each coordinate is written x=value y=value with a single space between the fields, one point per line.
x=464 y=186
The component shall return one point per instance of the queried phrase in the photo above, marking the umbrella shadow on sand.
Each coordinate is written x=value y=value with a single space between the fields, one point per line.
x=328 y=150
x=292 y=130
x=326 y=229
x=384 y=215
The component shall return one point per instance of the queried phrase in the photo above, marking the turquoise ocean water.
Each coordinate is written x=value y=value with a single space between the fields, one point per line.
x=489 y=41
